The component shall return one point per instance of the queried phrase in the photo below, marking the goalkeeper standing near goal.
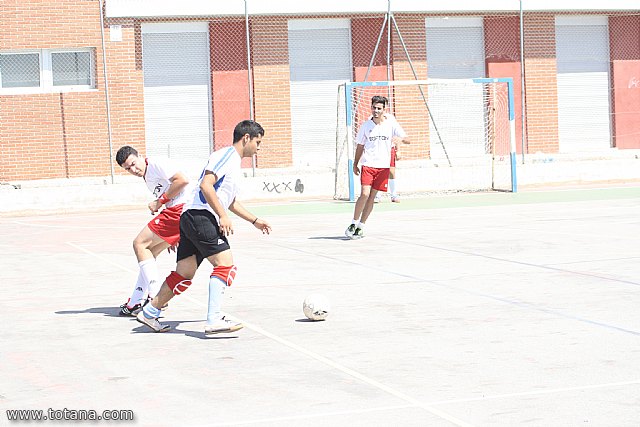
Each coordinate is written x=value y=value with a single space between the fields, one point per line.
x=374 y=140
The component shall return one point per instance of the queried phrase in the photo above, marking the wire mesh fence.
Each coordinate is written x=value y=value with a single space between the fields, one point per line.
x=176 y=85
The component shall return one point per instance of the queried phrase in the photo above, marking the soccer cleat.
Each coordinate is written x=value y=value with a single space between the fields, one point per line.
x=358 y=234
x=126 y=311
x=395 y=199
x=350 y=230
x=222 y=326
x=152 y=323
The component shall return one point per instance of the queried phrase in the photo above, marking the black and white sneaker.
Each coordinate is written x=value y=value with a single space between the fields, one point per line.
x=131 y=312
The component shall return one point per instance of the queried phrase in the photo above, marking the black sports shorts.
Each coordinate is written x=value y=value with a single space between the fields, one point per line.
x=200 y=235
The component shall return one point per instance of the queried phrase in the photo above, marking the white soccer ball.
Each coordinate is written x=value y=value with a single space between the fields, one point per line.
x=316 y=307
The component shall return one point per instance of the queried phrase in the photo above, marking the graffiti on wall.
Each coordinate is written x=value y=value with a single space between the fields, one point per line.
x=282 y=187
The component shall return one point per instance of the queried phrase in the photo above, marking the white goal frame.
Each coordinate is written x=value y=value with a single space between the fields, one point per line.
x=348 y=115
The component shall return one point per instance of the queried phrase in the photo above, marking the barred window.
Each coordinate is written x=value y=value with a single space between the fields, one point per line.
x=20 y=70
x=47 y=70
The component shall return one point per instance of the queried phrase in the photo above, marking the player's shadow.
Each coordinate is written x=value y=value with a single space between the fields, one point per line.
x=142 y=329
x=305 y=320
x=107 y=311
x=329 y=238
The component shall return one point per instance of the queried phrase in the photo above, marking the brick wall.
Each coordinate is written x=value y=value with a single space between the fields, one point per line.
x=270 y=55
x=52 y=135
x=541 y=83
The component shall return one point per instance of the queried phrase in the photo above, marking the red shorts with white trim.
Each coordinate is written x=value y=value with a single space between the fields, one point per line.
x=393 y=156
x=166 y=224
x=377 y=178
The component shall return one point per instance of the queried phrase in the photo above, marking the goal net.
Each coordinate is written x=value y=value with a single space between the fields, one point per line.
x=461 y=133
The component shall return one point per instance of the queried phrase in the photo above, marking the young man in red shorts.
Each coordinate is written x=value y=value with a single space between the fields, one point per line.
x=169 y=186
x=375 y=138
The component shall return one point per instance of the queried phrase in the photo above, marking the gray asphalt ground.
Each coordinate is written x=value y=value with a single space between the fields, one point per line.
x=461 y=310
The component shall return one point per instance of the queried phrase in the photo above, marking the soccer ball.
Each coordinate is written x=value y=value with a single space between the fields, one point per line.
x=316 y=307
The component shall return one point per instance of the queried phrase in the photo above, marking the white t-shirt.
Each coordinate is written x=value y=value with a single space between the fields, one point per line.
x=226 y=165
x=159 y=171
x=376 y=139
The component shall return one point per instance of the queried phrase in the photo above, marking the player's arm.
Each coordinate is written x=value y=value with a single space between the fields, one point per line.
x=209 y=193
x=178 y=182
x=356 y=159
x=237 y=208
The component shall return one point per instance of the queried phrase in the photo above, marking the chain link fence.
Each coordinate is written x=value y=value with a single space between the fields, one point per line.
x=176 y=86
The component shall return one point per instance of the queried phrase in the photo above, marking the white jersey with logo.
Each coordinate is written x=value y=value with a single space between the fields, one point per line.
x=376 y=139
x=159 y=171
x=226 y=164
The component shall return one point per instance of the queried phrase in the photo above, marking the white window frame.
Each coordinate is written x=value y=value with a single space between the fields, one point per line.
x=46 y=73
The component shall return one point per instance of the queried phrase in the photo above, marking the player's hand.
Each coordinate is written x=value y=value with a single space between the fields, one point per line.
x=263 y=225
x=172 y=248
x=154 y=206
x=356 y=170
x=226 y=226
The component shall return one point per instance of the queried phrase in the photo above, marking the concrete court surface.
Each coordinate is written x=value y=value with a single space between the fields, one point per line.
x=464 y=310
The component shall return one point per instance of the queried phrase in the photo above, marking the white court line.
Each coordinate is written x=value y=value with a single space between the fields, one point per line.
x=328 y=362
x=413 y=402
x=108 y=261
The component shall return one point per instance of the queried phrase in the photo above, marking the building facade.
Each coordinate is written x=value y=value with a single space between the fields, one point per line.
x=173 y=78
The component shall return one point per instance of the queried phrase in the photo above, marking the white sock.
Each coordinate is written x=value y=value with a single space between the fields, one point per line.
x=149 y=269
x=354 y=221
x=139 y=292
x=392 y=187
x=361 y=225
x=216 y=294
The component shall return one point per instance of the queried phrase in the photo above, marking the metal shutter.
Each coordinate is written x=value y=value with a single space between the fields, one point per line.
x=177 y=106
x=319 y=60
x=582 y=52
x=455 y=50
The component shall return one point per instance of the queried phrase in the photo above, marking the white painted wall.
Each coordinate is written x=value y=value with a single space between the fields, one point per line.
x=149 y=8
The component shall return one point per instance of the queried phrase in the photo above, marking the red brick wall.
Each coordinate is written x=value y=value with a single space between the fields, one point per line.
x=624 y=42
x=270 y=56
x=502 y=50
x=409 y=106
x=229 y=80
x=541 y=83
x=126 y=87
x=52 y=135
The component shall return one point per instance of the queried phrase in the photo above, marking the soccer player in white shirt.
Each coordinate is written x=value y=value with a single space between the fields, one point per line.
x=204 y=229
x=169 y=186
x=374 y=140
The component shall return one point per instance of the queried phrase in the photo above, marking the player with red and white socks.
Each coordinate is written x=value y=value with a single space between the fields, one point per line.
x=204 y=230
x=169 y=185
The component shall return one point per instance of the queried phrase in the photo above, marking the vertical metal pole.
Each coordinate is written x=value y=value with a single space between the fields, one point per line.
x=106 y=93
x=389 y=49
x=522 y=83
x=250 y=77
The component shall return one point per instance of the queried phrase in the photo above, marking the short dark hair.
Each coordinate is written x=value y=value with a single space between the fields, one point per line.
x=123 y=154
x=247 y=127
x=379 y=100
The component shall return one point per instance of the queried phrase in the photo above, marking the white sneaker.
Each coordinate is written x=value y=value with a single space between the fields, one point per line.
x=222 y=326
x=152 y=323
x=350 y=230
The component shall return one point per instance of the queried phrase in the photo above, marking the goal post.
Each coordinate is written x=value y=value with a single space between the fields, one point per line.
x=464 y=128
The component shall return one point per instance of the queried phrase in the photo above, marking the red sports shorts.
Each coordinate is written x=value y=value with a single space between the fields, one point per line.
x=377 y=178
x=166 y=224
x=393 y=156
